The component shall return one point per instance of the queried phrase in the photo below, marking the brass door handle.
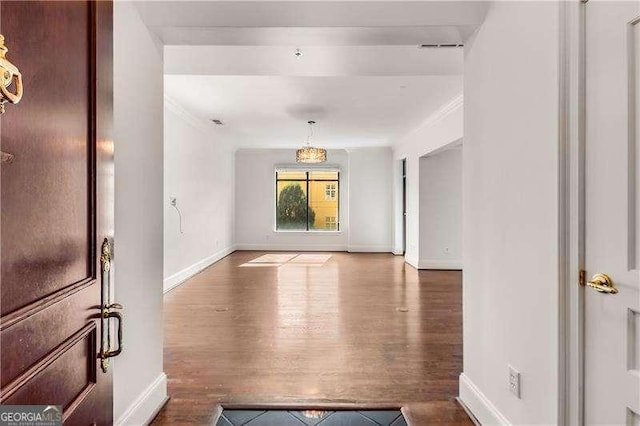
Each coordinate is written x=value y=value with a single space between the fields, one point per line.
x=108 y=310
x=118 y=316
x=9 y=76
x=115 y=306
x=603 y=284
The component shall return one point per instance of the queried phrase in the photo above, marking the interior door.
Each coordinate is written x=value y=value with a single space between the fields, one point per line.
x=57 y=208
x=612 y=220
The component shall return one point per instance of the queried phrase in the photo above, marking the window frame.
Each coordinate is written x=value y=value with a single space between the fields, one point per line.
x=307 y=173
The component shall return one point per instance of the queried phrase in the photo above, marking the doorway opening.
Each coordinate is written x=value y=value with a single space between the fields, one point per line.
x=440 y=208
x=282 y=329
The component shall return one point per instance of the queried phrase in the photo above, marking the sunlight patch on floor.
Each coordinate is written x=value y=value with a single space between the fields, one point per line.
x=311 y=258
x=274 y=258
x=287 y=259
x=259 y=265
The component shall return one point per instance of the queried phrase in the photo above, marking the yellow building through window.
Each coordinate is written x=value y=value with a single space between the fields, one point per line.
x=307 y=200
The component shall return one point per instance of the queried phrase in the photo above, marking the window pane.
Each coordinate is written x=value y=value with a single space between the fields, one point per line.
x=291 y=175
x=324 y=175
x=323 y=200
x=291 y=206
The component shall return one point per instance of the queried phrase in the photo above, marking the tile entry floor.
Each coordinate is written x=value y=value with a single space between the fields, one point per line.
x=311 y=418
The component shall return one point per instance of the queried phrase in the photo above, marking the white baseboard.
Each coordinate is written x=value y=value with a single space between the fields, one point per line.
x=290 y=247
x=368 y=249
x=178 y=278
x=481 y=408
x=411 y=261
x=468 y=411
x=143 y=410
x=398 y=252
x=440 y=264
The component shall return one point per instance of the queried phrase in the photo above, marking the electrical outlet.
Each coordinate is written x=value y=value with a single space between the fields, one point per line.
x=514 y=382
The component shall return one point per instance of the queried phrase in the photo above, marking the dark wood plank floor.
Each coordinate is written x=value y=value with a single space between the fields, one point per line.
x=360 y=329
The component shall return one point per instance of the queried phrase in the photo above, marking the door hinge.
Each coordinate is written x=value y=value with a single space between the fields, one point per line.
x=583 y=277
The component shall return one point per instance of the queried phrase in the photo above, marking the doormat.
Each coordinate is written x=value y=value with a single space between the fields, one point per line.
x=311 y=418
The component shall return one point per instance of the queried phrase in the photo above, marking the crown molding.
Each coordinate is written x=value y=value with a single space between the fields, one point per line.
x=187 y=115
x=445 y=110
x=440 y=114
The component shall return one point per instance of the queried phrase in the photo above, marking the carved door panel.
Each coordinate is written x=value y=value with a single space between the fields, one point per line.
x=56 y=207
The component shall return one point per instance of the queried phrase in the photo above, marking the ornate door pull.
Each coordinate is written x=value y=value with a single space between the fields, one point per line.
x=9 y=76
x=108 y=310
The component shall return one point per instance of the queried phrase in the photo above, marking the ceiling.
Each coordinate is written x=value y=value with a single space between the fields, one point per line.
x=272 y=111
x=322 y=61
x=361 y=75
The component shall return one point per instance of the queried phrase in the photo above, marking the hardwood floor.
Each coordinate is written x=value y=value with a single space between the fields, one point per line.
x=361 y=330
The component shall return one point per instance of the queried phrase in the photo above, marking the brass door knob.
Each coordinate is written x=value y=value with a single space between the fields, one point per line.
x=603 y=284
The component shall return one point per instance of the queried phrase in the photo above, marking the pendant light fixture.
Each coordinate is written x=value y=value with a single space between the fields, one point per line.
x=309 y=154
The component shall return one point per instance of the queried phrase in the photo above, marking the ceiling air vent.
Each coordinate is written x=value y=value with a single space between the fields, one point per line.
x=433 y=46
x=218 y=122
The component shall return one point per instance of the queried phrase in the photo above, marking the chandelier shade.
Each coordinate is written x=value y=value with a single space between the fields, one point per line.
x=310 y=154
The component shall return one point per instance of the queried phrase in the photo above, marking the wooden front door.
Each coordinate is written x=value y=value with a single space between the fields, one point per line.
x=612 y=213
x=57 y=208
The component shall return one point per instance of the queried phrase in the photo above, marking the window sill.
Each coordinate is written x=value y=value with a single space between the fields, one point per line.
x=314 y=233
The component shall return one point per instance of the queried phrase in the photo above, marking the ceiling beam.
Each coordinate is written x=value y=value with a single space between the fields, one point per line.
x=313 y=36
x=311 y=13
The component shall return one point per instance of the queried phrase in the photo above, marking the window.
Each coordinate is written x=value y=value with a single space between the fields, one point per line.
x=330 y=191
x=307 y=200
x=331 y=223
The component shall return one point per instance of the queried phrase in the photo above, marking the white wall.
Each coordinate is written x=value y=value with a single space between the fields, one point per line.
x=139 y=382
x=255 y=203
x=441 y=210
x=370 y=199
x=510 y=213
x=199 y=172
x=366 y=216
x=439 y=130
